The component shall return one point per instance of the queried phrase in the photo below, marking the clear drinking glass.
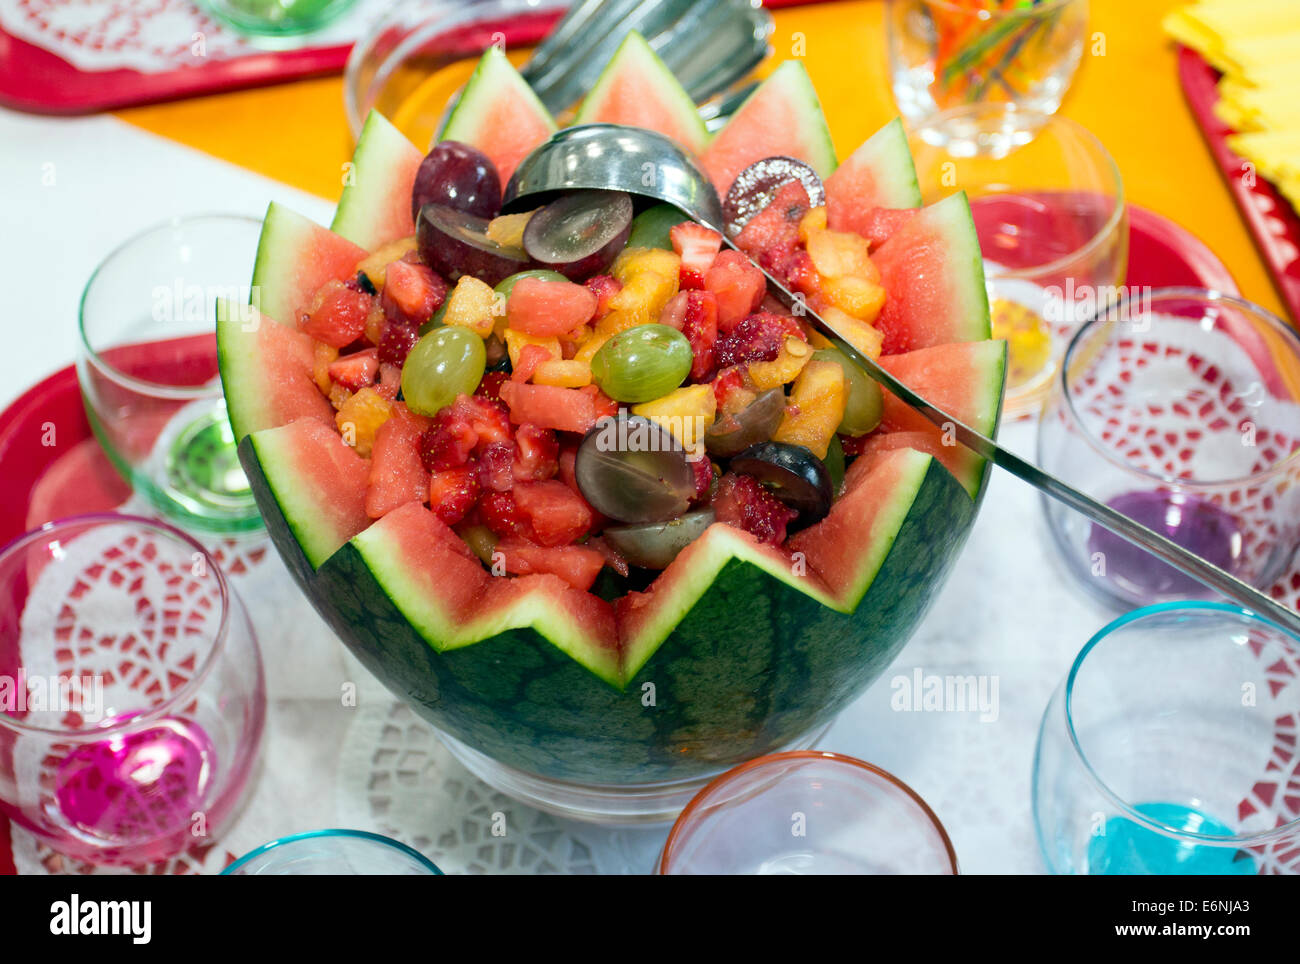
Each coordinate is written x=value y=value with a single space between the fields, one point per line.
x=131 y=691
x=1180 y=408
x=147 y=365
x=950 y=53
x=1052 y=222
x=333 y=853
x=807 y=812
x=1170 y=748
x=276 y=18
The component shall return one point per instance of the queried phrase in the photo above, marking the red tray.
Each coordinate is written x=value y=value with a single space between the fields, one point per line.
x=1269 y=216
x=34 y=79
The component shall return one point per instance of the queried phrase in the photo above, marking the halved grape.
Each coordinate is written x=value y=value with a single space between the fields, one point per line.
x=866 y=404
x=630 y=469
x=580 y=233
x=454 y=243
x=756 y=186
x=459 y=176
x=756 y=422
x=447 y=362
x=642 y=363
x=654 y=545
x=794 y=474
x=834 y=462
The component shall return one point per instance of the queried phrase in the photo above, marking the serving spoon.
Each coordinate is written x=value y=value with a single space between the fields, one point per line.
x=611 y=157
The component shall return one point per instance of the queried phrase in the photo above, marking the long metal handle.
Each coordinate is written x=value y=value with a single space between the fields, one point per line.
x=1159 y=546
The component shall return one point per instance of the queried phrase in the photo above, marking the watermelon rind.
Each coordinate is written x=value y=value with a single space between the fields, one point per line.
x=375 y=205
x=636 y=58
x=295 y=256
x=886 y=155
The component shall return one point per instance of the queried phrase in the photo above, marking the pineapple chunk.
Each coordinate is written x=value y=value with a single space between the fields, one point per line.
x=587 y=350
x=359 y=419
x=516 y=340
x=859 y=334
x=472 y=305
x=838 y=253
x=322 y=357
x=795 y=353
x=816 y=407
x=813 y=221
x=641 y=301
x=687 y=413
x=562 y=374
x=375 y=265
x=508 y=229
x=859 y=297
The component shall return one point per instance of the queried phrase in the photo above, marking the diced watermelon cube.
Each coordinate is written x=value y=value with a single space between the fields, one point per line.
x=556 y=515
x=738 y=286
x=546 y=406
x=396 y=473
x=577 y=565
x=546 y=308
x=340 y=317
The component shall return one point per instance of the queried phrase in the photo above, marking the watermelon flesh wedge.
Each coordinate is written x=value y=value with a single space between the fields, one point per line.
x=933 y=270
x=879 y=174
x=637 y=89
x=782 y=117
x=376 y=204
x=295 y=257
x=499 y=114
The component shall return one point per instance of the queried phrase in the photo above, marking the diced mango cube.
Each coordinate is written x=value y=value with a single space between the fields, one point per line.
x=471 y=305
x=375 y=265
x=508 y=229
x=633 y=261
x=322 y=358
x=562 y=374
x=642 y=299
x=814 y=220
x=859 y=297
x=587 y=350
x=687 y=413
x=816 y=407
x=516 y=340
x=359 y=419
x=795 y=353
x=838 y=253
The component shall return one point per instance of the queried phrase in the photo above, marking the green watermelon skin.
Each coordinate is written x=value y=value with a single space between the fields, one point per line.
x=754 y=666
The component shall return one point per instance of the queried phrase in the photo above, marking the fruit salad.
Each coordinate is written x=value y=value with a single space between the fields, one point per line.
x=583 y=388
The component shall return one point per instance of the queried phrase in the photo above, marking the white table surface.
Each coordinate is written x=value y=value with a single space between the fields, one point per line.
x=1009 y=612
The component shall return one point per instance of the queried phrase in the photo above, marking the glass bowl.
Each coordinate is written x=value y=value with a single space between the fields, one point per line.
x=333 y=853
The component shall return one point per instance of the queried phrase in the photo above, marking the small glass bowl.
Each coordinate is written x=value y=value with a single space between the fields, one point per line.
x=1169 y=748
x=322 y=853
x=1052 y=222
x=276 y=18
x=807 y=812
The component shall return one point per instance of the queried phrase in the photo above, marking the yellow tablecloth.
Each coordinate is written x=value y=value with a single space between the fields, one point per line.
x=1126 y=92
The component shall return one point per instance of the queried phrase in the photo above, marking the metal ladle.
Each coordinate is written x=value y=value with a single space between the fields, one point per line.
x=641 y=162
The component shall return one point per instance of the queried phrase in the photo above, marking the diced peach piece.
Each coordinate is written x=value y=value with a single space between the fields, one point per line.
x=375 y=265
x=562 y=374
x=816 y=407
x=859 y=297
x=359 y=418
x=795 y=354
x=471 y=305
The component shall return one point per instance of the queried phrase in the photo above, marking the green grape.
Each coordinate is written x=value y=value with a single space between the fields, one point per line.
x=642 y=363
x=650 y=228
x=866 y=404
x=446 y=362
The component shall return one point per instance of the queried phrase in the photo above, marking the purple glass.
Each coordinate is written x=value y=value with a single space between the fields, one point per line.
x=132 y=698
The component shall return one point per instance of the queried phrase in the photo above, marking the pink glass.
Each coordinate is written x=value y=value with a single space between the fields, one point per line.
x=807 y=812
x=132 y=699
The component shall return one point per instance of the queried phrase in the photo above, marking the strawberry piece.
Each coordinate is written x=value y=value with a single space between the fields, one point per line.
x=726 y=382
x=448 y=442
x=489 y=418
x=537 y=454
x=452 y=493
x=356 y=371
x=577 y=565
x=390 y=380
x=743 y=502
x=502 y=515
x=556 y=515
x=697 y=246
x=737 y=285
x=854 y=445
x=412 y=293
x=396 y=343
x=490 y=386
x=758 y=338
x=339 y=317
x=700 y=326
x=496 y=466
x=703 y=469
x=604 y=287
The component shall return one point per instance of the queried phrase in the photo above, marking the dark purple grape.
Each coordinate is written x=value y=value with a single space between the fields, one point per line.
x=458 y=176
x=454 y=243
x=756 y=186
x=794 y=474
x=581 y=233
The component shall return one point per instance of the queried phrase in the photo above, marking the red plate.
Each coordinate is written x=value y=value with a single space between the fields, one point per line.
x=1269 y=215
x=34 y=79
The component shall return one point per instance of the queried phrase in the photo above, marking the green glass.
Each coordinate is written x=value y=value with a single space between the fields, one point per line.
x=276 y=17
